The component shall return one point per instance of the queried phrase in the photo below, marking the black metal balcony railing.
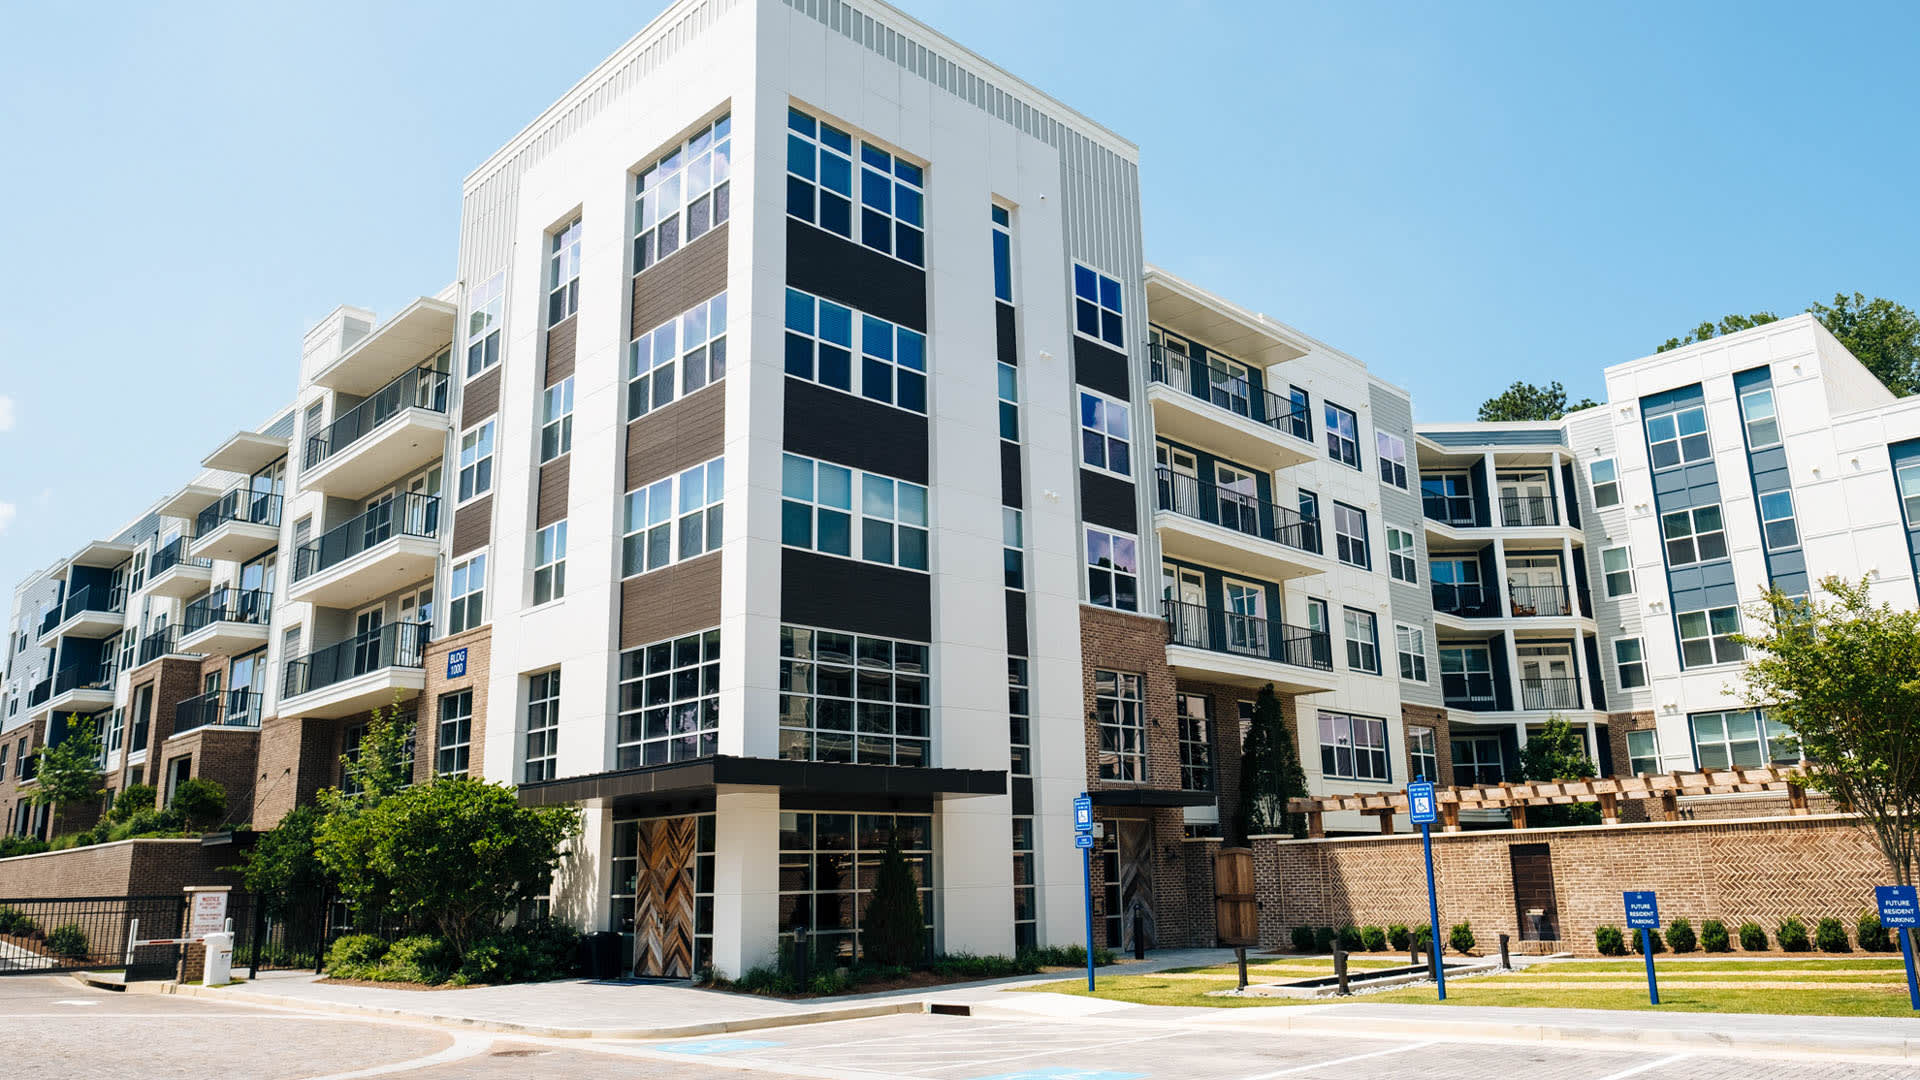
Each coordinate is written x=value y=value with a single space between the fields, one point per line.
x=1215 y=630
x=1232 y=393
x=1468 y=599
x=1468 y=690
x=394 y=645
x=1448 y=509
x=243 y=505
x=221 y=708
x=90 y=598
x=1190 y=496
x=163 y=641
x=408 y=514
x=1531 y=600
x=228 y=605
x=424 y=387
x=41 y=691
x=83 y=677
x=1549 y=693
x=1520 y=510
x=175 y=554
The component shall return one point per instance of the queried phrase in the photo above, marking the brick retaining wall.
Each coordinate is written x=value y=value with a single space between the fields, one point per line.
x=153 y=867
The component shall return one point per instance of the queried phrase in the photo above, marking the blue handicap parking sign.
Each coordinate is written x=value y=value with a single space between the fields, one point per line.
x=1898 y=905
x=1420 y=803
x=457 y=663
x=1643 y=911
x=1083 y=813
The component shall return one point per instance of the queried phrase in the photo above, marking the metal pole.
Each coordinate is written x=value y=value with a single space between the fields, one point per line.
x=1646 y=947
x=133 y=934
x=1240 y=957
x=1340 y=971
x=1433 y=913
x=1906 y=953
x=1506 y=961
x=1086 y=871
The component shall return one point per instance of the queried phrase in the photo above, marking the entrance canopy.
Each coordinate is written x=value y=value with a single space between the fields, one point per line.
x=631 y=789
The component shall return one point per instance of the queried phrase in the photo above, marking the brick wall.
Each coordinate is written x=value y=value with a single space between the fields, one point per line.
x=226 y=756
x=294 y=762
x=173 y=680
x=126 y=868
x=1764 y=869
x=479 y=645
x=1412 y=716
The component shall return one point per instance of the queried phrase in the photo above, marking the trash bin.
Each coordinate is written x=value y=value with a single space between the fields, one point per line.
x=603 y=955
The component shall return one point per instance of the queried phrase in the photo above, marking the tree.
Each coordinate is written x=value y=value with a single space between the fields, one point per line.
x=379 y=766
x=1731 y=324
x=456 y=855
x=1558 y=752
x=283 y=866
x=1270 y=774
x=892 y=930
x=1843 y=674
x=1525 y=401
x=1882 y=335
x=69 y=769
x=200 y=803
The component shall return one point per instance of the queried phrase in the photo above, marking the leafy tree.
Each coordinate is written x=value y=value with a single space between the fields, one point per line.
x=1270 y=773
x=1731 y=324
x=892 y=930
x=381 y=765
x=283 y=865
x=200 y=803
x=1525 y=401
x=456 y=855
x=1881 y=334
x=1844 y=675
x=1557 y=752
x=69 y=771
x=132 y=799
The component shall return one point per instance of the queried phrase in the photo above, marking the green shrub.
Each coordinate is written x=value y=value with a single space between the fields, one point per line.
x=199 y=804
x=1302 y=939
x=1653 y=941
x=1461 y=937
x=1349 y=938
x=1066 y=956
x=1373 y=938
x=1830 y=935
x=525 y=952
x=1680 y=936
x=355 y=956
x=131 y=798
x=971 y=966
x=1399 y=936
x=15 y=922
x=68 y=940
x=1713 y=936
x=765 y=979
x=1872 y=936
x=1792 y=935
x=1607 y=939
x=1423 y=937
x=21 y=845
x=1752 y=938
x=1323 y=939
x=421 y=958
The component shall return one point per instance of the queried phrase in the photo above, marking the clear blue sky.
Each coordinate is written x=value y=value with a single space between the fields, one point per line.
x=1460 y=195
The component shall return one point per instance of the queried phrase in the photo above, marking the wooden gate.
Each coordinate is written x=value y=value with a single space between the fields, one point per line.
x=663 y=902
x=1533 y=894
x=1236 y=909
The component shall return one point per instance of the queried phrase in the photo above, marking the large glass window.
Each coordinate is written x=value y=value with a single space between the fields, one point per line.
x=1393 y=459
x=1907 y=480
x=1026 y=908
x=1353 y=747
x=543 y=725
x=1763 y=427
x=1777 y=523
x=1630 y=661
x=1678 y=438
x=1196 y=742
x=476 y=461
x=1350 y=535
x=1343 y=439
x=847 y=697
x=467 y=594
x=1411 y=643
x=1643 y=752
x=1477 y=761
x=1105 y=434
x=1706 y=637
x=1013 y=547
x=1605 y=477
x=1002 y=254
x=820 y=189
x=485 y=307
x=817 y=513
x=556 y=419
x=1113 y=575
x=1009 y=391
x=1423 y=753
x=1019 y=720
x=1616 y=566
x=1363 y=641
x=563 y=273
x=680 y=197
x=550 y=563
x=1119 y=712
x=1403 y=559
x=453 y=747
x=669 y=701
x=679 y=356
x=1694 y=536
x=1097 y=307
x=828 y=863
x=673 y=519
x=1740 y=738
x=624 y=882
x=1466 y=673
x=822 y=338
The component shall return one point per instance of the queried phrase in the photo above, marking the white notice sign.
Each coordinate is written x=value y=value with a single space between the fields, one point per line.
x=208 y=914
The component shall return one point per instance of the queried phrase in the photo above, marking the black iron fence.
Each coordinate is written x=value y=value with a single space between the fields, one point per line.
x=1521 y=510
x=164 y=641
x=1200 y=627
x=1539 y=600
x=221 y=708
x=1448 y=509
x=175 y=554
x=1225 y=389
x=228 y=605
x=1549 y=693
x=90 y=598
x=1468 y=599
x=1241 y=511
x=38 y=936
x=243 y=505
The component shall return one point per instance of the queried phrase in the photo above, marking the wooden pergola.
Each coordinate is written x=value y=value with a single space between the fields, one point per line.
x=1664 y=788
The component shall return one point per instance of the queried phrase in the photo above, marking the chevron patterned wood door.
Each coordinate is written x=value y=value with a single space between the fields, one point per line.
x=1136 y=879
x=663 y=906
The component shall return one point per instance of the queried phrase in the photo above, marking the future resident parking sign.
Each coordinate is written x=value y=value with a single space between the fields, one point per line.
x=1643 y=911
x=1898 y=905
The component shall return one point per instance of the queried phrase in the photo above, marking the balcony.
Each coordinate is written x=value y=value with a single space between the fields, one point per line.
x=1470 y=690
x=173 y=573
x=1453 y=511
x=392 y=545
x=92 y=611
x=1550 y=693
x=221 y=708
x=82 y=688
x=41 y=691
x=1203 y=522
x=1247 y=650
x=1465 y=600
x=1259 y=428
x=227 y=622
x=358 y=674
x=402 y=427
x=164 y=641
x=1528 y=511
x=1538 y=601
x=238 y=526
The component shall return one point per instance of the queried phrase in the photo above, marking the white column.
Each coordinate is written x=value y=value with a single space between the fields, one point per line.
x=746 y=878
x=580 y=884
x=973 y=872
x=1561 y=496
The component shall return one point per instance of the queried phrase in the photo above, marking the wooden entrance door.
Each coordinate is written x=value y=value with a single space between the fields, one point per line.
x=1533 y=898
x=663 y=900
x=1136 y=878
x=1236 y=912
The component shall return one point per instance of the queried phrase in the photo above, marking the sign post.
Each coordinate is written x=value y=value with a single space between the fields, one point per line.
x=1643 y=914
x=1900 y=912
x=1423 y=811
x=1083 y=839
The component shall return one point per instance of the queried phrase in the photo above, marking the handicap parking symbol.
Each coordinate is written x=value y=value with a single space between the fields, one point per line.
x=718 y=1046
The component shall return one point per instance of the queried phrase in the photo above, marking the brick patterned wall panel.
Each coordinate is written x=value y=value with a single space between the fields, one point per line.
x=479 y=646
x=551 y=505
x=677 y=436
x=671 y=601
x=663 y=904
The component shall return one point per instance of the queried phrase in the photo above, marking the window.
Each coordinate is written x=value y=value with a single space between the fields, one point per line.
x=680 y=197
x=476 y=461
x=1402 y=559
x=1776 y=520
x=543 y=725
x=142 y=721
x=1299 y=413
x=853 y=698
x=1343 y=440
x=1363 y=640
x=1706 y=637
x=1013 y=547
x=1196 y=742
x=826 y=871
x=1113 y=575
x=556 y=419
x=1393 y=459
x=1002 y=254
x=1026 y=909
x=1105 y=434
x=820 y=189
x=1740 y=738
x=1019 y=722
x=1616 y=565
x=820 y=344
x=1694 y=536
x=816 y=513
x=669 y=701
x=1119 y=714
x=1411 y=642
x=1477 y=761
x=1309 y=504
x=550 y=563
x=1678 y=438
x=1763 y=427
x=1423 y=753
x=1907 y=479
x=1350 y=535
x=467 y=594
x=691 y=348
x=116 y=734
x=563 y=273
x=1353 y=747
x=1009 y=391
x=1466 y=673
x=661 y=528
x=1630 y=660
x=1096 y=307
x=1605 y=477
x=451 y=755
x=485 y=307
x=1643 y=752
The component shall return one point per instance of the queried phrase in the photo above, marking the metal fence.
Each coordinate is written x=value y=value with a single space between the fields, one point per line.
x=38 y=936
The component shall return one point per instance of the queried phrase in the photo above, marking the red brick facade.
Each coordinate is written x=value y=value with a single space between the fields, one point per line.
x=479 y=646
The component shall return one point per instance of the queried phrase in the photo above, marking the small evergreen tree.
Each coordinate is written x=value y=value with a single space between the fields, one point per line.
x=69 y=770
x=1270 y=774
x=892 y=930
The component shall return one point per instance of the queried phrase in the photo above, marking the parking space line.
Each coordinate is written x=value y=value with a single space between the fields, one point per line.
x=465 y=1045
x=1055 y=1052
x=1342 y=1061
x=1638 y=1069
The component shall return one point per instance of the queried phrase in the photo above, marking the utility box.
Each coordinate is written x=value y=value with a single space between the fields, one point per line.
x=218 y=968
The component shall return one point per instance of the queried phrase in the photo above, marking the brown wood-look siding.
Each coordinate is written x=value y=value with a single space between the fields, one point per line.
x=688 y=276
x=473 y=525
x=679 y=436
x=679 y=599
x=481 y=398
x=560 y=348
x=553 y=491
